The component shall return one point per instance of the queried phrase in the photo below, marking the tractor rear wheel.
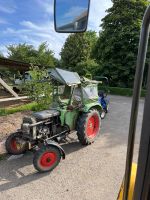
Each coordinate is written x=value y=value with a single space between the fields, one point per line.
x=46 y=158
x=88 y=127
x=15 y=144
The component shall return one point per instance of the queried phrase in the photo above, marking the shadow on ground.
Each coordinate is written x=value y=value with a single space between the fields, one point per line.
x=11 y=171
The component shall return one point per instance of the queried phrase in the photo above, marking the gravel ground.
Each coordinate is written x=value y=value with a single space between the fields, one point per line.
x=9 y=123
x=92 y=172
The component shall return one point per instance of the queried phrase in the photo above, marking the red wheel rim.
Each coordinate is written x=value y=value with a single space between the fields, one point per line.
x=48 y=159
x=14 y=144
x=93 y=126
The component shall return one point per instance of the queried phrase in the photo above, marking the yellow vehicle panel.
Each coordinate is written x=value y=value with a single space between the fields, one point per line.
x=132 y=183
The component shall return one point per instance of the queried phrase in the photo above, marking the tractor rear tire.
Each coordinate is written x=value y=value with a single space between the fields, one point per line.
x=88 y=127
x=15 y=144
x=46 y=158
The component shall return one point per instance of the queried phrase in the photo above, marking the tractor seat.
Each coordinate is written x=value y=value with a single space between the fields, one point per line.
x=45 y=114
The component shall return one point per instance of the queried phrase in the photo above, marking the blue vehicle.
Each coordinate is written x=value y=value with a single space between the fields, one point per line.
x=103 y=98
x=104 y=101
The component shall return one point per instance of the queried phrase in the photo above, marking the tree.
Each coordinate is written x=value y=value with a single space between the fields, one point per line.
x=117 y=46
x=78 y=48
x=1 y=55
x=27 y=53
x=88 y=67
x=45 y=56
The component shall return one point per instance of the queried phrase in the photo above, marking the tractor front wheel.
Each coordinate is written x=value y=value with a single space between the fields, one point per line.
x=88 y=127
x=15 y=144
x=46 y=158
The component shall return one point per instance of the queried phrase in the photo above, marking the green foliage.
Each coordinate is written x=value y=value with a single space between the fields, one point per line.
x=45 y=56
x=87 y=67
x=2 y=157
x=27 y=53
x=117 y=46
x=39 y=88
x=1 y=55
x=78 y=51
x=121 y=91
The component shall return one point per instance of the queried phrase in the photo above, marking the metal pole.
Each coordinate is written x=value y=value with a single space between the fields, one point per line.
x=136 y=95
x=142 y=182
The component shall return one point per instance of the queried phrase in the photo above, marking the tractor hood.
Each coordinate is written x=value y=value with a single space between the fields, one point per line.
x=65 y=77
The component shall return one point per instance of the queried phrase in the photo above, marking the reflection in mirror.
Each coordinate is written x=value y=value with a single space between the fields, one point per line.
x=71 y=15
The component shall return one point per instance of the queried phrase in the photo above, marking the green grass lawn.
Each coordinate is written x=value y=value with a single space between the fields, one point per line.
x=30 y=106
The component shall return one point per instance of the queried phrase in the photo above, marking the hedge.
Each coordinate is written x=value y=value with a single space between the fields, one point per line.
x=121 y=91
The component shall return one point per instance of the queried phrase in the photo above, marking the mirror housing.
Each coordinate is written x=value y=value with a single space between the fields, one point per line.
x=71 y=16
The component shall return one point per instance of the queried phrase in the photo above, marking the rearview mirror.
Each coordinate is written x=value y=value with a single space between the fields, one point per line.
x=71 y=16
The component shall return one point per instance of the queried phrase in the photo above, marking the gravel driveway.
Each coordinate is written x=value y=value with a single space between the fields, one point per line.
x=9 y=123
x=92 y=172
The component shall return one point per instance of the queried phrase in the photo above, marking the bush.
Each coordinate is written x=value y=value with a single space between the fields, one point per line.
x=39 y=87
x=121 y=91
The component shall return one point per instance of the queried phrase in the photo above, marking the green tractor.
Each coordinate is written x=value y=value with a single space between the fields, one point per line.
x=74 y=108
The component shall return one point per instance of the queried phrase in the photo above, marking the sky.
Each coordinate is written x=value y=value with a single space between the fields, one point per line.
x=32 y=22
x=67 y=13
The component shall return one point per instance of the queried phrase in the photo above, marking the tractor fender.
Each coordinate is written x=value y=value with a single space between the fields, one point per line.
x=92 y=106
x=52 y=143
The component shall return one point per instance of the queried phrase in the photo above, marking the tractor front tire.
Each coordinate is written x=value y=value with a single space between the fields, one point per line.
x=88 y=127
x=15 y=144
x=46 y=158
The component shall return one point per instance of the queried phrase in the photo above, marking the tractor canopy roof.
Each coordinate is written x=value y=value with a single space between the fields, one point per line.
x=65 y=77
x=69 y=78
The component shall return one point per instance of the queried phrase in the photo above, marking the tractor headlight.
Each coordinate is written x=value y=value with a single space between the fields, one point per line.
x=25 y=127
